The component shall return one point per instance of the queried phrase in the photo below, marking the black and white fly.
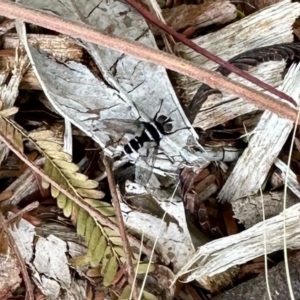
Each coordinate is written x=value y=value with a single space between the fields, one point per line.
x=153 y=132
x=147 y=138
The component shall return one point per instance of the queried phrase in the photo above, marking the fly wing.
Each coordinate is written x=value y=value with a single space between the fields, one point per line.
x=144 y=168
x=117 y=128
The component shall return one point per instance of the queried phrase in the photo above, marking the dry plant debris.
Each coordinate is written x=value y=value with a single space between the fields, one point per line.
x=122 y=181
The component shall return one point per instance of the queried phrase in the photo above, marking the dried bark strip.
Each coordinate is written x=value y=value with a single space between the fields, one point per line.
x=74 y=29
x=266 y=142
x=256 y=288
x=292 y=183
x=266 y=63
x=198 y=16
x=59 y=47
x=217 y=256
x=248 y=210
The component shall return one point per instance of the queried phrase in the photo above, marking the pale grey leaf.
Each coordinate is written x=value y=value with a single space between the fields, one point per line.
x=132 y=88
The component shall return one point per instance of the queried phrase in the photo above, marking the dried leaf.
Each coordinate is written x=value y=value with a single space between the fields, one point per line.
x=125 y=293
x=54 y=192
x=49 y=145
x=59 y=155
x=3 y=242
x=116 y=241
x=149 y=296
x=90 y=224
x=82 y=221
x=96 y=234
x=81 y=260
x=99 y=251
x=109 y=232
x=88 y=184
x=68 y=208
x=77 y=176
x=142 y=268
x=75 y=212
x=108 y=254
x=61 y=200
x=119 y=251
x=41 y=135
x=10 y=132
x=110 y=271
x=106 y=211
x=9 y=112
x=69 y=166
x=95 y=194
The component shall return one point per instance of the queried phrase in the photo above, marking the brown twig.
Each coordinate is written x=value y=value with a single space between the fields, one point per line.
x=15 y=250
x=126 y=246
x=153 y=19
x=79 y=30
x=18 y=215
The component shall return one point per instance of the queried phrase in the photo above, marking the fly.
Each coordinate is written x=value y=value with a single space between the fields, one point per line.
x=147 y=137
x=153 y=132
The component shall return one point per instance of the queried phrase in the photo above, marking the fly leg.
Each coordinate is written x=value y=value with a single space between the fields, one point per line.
x=169 y=133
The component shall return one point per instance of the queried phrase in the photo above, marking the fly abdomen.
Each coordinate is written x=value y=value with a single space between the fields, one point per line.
x=127 y=149
x=150 y=134
x=136 y=143
x=153 y=132
x=133 y=145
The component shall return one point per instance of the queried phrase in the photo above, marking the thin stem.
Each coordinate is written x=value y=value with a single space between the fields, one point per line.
x=126 y=246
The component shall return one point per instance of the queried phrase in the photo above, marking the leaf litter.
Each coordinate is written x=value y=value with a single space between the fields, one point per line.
x=173 y=224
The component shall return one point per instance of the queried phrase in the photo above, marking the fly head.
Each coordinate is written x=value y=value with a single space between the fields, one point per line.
x=166 y=123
